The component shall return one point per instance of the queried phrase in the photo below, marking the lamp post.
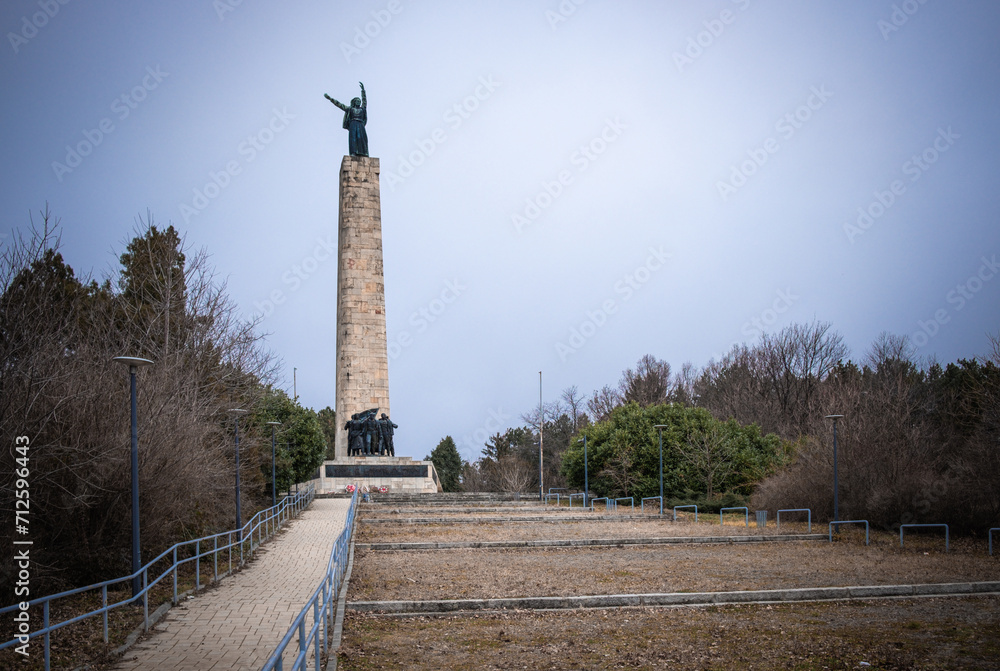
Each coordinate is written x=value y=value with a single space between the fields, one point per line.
x=133 y=364
x=239 y=512
x=586 y=483
x=541 y=437
x=660 y=428
x=836 y=488
x=274 y=483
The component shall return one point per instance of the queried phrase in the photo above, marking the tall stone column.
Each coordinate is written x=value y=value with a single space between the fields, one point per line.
x=362 y=356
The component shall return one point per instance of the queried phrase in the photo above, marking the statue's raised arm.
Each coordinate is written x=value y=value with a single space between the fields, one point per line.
x=336 y=102
x=355 y=119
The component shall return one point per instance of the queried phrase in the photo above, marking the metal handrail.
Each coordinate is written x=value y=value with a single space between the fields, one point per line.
x=322 y=603
x=271 y=519
x=630 y=499
x=746 y=513
x=676 y=508
x=642 y=502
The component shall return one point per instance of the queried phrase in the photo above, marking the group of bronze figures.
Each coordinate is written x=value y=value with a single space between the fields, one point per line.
x=368 y=436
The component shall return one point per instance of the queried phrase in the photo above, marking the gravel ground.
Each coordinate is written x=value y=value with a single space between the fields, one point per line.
x=928 y=634
x=495 y=573
x=524 y=531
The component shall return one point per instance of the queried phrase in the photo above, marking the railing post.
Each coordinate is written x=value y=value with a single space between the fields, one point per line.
x=45 y=623
x=145 y=599
x=197 y=565
x=104 y=604
x=303 y=645
x=175 y=576
x=316 y=646
x=215 y=557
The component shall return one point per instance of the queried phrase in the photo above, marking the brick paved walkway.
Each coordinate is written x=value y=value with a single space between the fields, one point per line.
x=238 y=624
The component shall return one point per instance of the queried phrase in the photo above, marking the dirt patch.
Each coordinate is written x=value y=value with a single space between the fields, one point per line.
x=930 y=634
x=499 y=573
x=564 y=530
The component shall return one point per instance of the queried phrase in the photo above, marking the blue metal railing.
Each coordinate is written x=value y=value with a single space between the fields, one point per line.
x=642 y=502
x=608 y=503
x=322 y=604
x=746 y=513
x=550 y=494
x=630 y=499
x=676 y=508
x=261 y=526
x=796 y=510
x=903 y=526
x=865 y=522
x=580 y=494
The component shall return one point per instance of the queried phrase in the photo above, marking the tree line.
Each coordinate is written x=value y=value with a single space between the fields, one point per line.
x=58 y=385
x=917 y=443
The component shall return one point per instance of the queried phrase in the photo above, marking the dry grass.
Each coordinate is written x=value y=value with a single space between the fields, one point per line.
x=522 y=531
x=928 y=634
x=497 y=573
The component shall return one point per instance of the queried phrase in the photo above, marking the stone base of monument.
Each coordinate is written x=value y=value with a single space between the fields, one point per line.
x=399 y=475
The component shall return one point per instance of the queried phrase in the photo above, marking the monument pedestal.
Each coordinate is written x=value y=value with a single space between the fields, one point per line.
x=400 y=475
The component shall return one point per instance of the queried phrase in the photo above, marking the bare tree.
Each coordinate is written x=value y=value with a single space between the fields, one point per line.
x=513 y=473
x=574 y=403
x=602 y=402
x=648 y=384
x=774 y=382
x=58 y=334
x=472 y=477
x=708 y=455
x=683 y=386
x=620 y=469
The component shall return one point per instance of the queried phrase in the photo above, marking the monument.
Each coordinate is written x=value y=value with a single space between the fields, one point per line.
x=364 y=451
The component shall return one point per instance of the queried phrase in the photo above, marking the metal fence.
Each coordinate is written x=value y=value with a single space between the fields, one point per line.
x=676 y=508
x=630 y=499
x=261 y=527
x=608 y=503
x=320 y=610
x=556 y=490
x=746 y=513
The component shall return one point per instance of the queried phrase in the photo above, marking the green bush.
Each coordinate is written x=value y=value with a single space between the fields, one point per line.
x=700 y=453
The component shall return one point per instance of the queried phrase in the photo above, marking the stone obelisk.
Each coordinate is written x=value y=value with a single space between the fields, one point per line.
x=362 y=357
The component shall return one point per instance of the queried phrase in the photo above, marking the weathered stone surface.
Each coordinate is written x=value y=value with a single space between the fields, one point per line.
x=362 y=367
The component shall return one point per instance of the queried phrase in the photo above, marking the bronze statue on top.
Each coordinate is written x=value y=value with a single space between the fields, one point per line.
x=355 y=118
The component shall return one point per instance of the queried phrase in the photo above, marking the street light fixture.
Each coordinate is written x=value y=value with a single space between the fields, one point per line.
x=586 y=483
x=274 y=484
x=836 y=488
x=660 y=428
x=239 y=512
x=134 y=363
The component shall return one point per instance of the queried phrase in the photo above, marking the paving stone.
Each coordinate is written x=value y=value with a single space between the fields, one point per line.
x=238 y=624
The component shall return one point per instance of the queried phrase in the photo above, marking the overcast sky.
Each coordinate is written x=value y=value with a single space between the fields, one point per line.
x=565 y=186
